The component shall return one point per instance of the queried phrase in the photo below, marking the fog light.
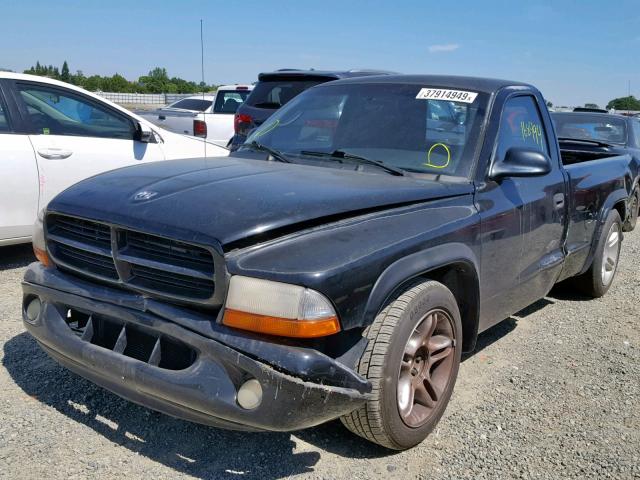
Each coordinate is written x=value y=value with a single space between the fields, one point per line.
x=33 y=309
x=250 y=394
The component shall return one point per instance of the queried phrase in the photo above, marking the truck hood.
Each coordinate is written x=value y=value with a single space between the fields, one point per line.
x=235 y=199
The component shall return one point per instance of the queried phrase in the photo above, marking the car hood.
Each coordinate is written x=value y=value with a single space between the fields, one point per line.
x=232 y=199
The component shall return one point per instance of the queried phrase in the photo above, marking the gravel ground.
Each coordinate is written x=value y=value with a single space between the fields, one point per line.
x=551 y=393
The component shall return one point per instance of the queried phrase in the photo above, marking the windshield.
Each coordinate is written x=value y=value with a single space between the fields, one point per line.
x=390 y=123
x=597 y=127
x=196 y=104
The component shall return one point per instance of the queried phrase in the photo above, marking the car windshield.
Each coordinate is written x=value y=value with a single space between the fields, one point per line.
x=595 y=127
x=402 y=126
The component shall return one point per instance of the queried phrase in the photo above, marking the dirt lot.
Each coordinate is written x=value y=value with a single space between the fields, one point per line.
x=550 y=393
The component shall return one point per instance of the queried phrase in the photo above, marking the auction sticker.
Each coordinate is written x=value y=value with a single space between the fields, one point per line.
x=442 y=94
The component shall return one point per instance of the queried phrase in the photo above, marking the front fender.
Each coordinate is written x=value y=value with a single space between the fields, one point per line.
x=420 y=263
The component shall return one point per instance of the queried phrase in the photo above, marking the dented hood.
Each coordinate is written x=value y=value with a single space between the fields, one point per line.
x=232 y=199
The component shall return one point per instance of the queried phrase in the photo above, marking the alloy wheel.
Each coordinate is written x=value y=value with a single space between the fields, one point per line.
x=426 y=367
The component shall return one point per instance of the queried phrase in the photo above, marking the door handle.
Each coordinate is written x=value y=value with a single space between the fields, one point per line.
x=54 y=153
x=558 y=200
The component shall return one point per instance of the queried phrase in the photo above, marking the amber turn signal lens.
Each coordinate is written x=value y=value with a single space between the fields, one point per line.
x=43 y=257
x=282 y=327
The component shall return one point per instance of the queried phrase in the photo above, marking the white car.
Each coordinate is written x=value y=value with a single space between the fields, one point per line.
x=206 y=116
x=53 y=135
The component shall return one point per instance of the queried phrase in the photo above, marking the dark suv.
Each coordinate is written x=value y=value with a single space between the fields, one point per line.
x=274 y=89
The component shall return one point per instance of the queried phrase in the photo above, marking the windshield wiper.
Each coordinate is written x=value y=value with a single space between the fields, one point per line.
x=586 y=140
x=339 y=155
x=276 y=154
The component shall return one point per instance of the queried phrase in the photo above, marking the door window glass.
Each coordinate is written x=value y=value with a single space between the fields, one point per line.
x=521 y=126
x=636 y=131
x=54 y=112
x=4 y=121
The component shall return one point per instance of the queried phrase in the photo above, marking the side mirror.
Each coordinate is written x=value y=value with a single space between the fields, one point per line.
x=144 y=134
x=521 y=162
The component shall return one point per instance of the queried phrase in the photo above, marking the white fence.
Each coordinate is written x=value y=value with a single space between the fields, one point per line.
x=144 y=98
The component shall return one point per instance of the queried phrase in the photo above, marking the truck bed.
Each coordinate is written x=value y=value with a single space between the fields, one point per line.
x=591 y=179
x=572 y=156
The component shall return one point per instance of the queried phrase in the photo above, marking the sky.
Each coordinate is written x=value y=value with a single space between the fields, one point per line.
x=574 y=51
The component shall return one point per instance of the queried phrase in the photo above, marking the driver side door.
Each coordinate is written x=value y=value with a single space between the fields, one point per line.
x=75 y=136
x=522 y=218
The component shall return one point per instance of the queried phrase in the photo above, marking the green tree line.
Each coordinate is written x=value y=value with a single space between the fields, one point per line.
x=625 y=103
x=157 y=81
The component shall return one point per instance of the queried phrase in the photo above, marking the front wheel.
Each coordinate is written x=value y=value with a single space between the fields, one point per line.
x=412 y=361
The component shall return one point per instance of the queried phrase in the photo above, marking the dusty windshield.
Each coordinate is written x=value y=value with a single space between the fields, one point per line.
x=415 y=128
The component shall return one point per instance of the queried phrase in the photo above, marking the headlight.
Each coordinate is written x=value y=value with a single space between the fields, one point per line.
x=278 y=308
x=38 y=242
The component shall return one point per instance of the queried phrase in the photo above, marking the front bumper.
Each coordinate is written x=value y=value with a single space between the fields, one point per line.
x=203 y=390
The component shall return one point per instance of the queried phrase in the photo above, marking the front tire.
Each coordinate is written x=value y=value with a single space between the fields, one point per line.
x=596 y=281
x=412 y=361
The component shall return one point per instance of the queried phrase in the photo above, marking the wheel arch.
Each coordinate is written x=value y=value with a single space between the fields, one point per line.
x=617 y=200
x=452 y=264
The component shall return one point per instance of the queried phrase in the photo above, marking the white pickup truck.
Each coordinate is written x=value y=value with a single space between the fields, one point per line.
x=206 y=116
x=53 y=135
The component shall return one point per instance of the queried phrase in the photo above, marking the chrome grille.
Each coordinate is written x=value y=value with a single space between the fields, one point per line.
x=139 y=261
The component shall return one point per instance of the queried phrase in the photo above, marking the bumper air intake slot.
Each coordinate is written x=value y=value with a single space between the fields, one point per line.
x=133 y=342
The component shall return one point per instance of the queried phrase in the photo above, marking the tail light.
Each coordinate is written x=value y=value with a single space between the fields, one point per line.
x=200 y=128
x=241 y=121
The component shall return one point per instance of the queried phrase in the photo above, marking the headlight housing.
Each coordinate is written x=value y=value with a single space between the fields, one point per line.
x=276 y=308
x=38 y=241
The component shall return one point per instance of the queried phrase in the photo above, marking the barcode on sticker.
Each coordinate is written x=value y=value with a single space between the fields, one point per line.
x=442 y=94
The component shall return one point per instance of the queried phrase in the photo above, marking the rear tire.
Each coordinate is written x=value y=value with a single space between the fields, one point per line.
x=412 y=361
x=632 y=219
x=596 y=281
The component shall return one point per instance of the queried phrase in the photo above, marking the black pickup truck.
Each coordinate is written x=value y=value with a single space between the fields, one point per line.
x=336 y=266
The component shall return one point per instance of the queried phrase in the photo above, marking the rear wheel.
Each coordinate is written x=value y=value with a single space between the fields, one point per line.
x=596 y=281
x=632 y=219
x=412 y=361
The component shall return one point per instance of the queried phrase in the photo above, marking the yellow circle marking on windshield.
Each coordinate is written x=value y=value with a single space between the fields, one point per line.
x=268 y=129
x=429 y=164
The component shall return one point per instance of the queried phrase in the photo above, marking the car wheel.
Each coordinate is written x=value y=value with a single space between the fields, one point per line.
x=412 y=362
x=596 y=281
x=632 y=220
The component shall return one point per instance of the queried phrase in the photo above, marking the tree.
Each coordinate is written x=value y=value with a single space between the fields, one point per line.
x=624 y=103
x=591 y=105
x=156 y=82
x=64 y=73
x=78 y=79
x=549 y=104
x=93 y=83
